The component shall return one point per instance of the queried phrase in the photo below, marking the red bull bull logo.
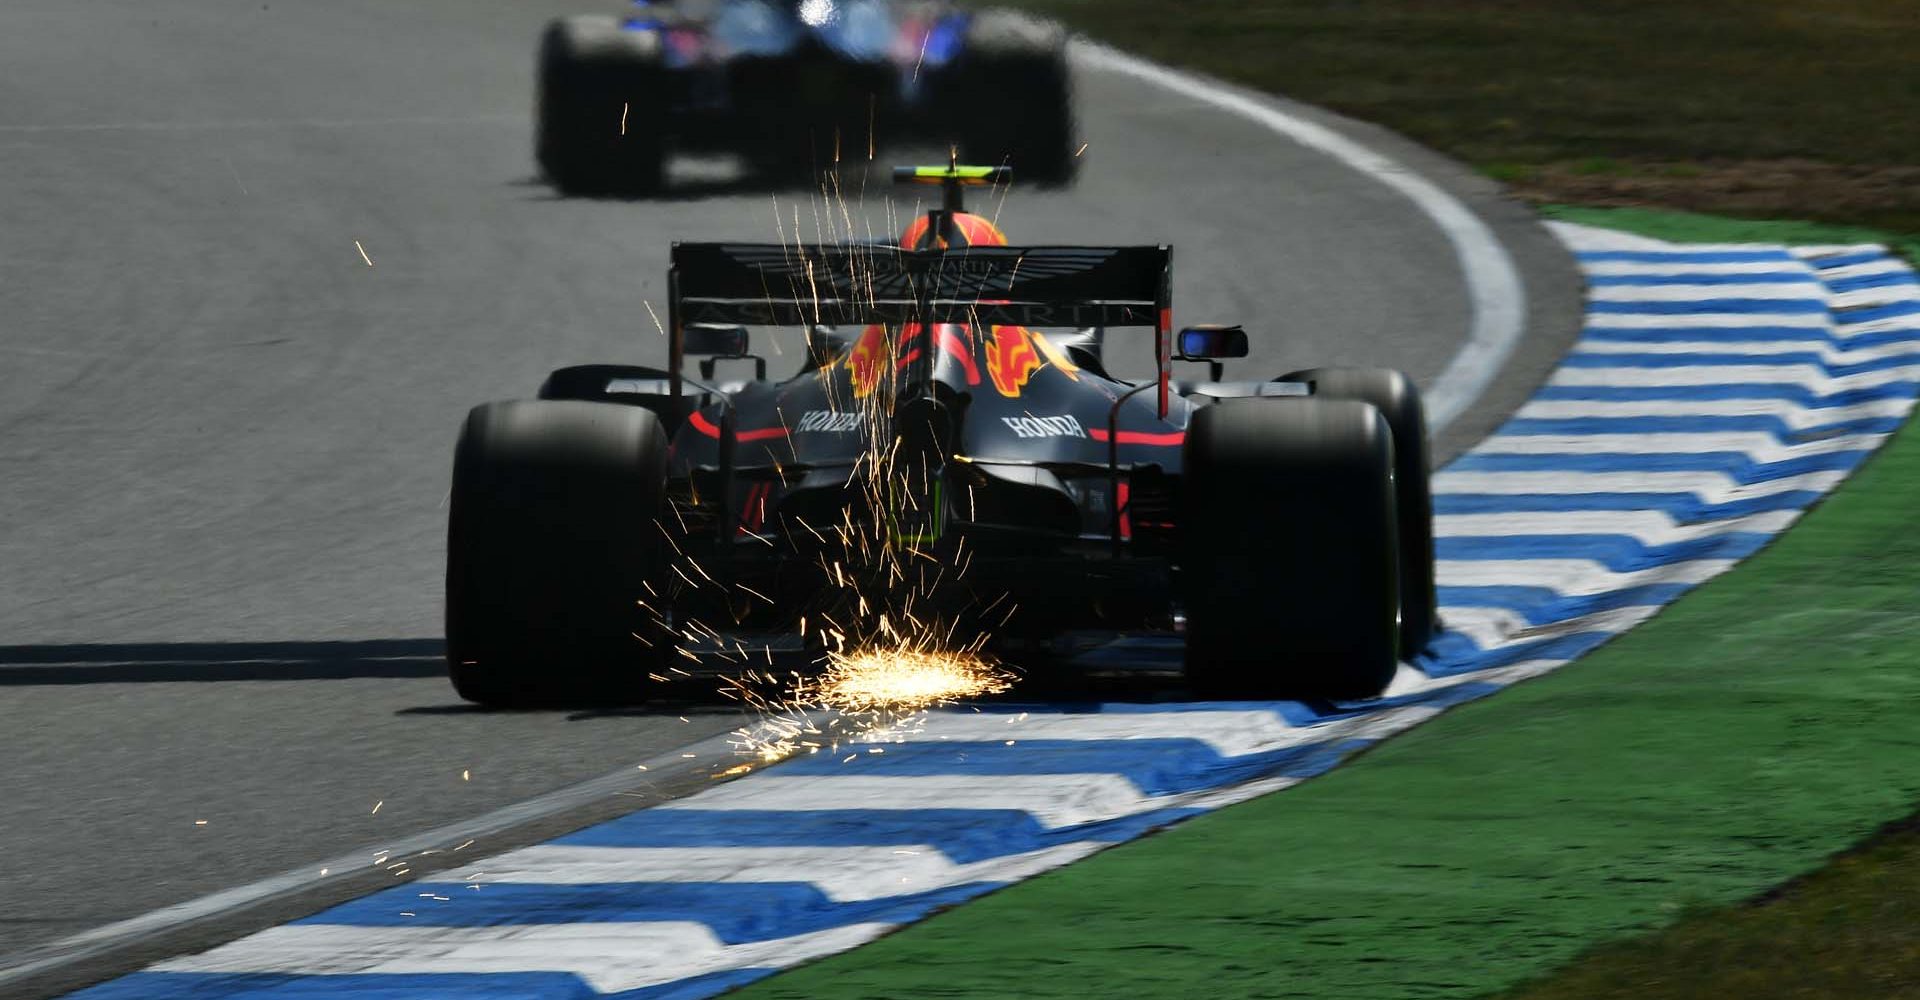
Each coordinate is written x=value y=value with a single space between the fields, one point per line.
x=867 y=360
x=1011 y=359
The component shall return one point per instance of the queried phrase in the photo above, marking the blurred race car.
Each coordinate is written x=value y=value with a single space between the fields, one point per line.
x=632 y=515
x=793 y=86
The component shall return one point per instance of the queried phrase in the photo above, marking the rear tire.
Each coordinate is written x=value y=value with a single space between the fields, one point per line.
x=1395 y=396
x=1290 y=567
x=1012 y=87
x=600 y=129
x=551 y=544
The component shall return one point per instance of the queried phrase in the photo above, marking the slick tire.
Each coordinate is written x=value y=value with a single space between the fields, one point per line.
x=591 y=383
x=1395 y=396
x=1012 y=88
x=600 y=128
x=551 y=545
x=1289 y=564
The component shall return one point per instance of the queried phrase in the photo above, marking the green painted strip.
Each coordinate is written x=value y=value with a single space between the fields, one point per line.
x=1692 y=227
x=1762 y=723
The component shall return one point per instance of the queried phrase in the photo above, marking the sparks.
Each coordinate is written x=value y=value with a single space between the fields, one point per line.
x=906 y=680
x=363 y=253
x=881 y=692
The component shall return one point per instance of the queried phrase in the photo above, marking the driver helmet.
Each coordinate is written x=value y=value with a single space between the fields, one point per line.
x=973 y=230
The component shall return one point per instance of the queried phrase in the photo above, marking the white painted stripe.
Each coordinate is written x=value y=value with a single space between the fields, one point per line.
x=1807 y=375
x=1792 y=414
x=1491 y=627
x=1056 y=800
x=1816 y=252
x=610 y=956
x=1707 y=320
x=1829 y=353
x=1709 y=487
x=1885 y=265
x=1798 y=291
x=1777 y=290
x=1847 y=330
x=1688 y=269
x=1493 y=285
x=1583 y=239
x=1412 y=682
x=1231 y=733
x=1868 y=298
x=1759 y=447
x=1652 y=527
x=1570 y=577
x=1701 y=269
x=844 y=874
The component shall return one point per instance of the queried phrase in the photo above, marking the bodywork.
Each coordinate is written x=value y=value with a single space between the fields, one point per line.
x=746 y=66
x=1014 y=464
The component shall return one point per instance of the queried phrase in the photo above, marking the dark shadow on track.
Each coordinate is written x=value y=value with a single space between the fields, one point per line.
x=683 y=702
x=169 y=662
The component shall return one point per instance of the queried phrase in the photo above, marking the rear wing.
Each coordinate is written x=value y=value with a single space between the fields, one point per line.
x=771 y=284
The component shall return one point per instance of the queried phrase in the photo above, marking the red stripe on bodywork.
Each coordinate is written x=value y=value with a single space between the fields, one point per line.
x=703 y=425
x=1171 y=439
x=950 y=343
x=1123 y=497
x=754 y=514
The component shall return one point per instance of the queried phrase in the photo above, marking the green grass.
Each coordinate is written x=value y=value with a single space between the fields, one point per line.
x=1693 y=227
x=1762 y=724
x=1725 y=89
x=1850 y=930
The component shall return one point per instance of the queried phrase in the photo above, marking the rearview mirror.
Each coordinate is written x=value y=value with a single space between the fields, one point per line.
x=1210 y=342
x=724 y=340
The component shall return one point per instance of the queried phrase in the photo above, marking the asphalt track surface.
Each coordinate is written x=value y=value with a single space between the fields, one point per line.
x=225 y=435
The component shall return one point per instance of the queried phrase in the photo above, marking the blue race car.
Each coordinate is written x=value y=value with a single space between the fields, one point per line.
x=795 y=86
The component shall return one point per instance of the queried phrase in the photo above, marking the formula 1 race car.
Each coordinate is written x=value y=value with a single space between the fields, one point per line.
x=794 y=85
x=938 y=444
